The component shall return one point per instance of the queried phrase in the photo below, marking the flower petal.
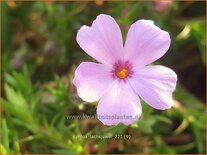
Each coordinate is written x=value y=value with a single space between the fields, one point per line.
x=103 y=40
x=92 y=80
x=145 y=43
x=155 y=84
x=119 y=105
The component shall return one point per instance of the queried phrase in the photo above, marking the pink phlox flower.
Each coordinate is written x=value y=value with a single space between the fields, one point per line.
x=123 y=73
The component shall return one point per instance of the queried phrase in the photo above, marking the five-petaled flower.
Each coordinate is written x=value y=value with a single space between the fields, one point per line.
x=123 y=72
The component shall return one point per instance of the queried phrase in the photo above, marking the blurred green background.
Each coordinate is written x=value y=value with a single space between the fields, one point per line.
x=39 y=56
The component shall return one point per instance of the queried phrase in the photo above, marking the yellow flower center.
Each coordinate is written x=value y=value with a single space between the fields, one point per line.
x=122 y=74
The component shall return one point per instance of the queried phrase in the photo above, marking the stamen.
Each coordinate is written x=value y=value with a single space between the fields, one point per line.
x=122 y=74
x=122 y=70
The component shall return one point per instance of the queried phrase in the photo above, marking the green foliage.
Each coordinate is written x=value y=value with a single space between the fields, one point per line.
x=24 y=105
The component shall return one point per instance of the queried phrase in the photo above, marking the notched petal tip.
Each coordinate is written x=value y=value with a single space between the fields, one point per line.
x=146 y=42
x=166 y=35
x=102 y=40
x=80 y=33
x=75 y=80
x=155 y=85
x=103 y=15
x=146 y=21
